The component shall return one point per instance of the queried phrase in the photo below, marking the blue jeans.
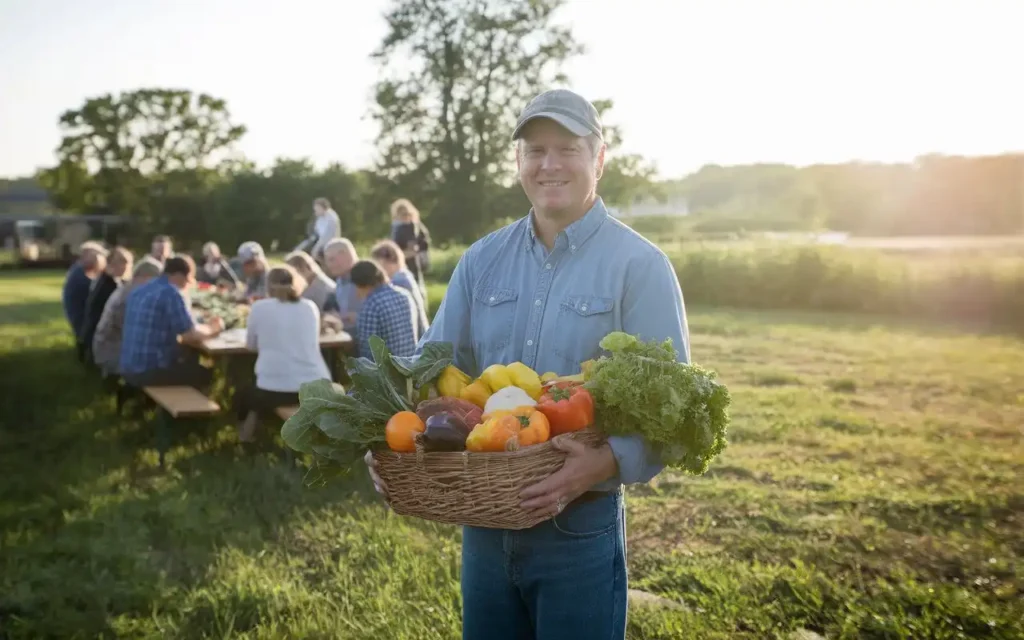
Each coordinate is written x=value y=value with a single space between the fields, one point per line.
x=560 y=580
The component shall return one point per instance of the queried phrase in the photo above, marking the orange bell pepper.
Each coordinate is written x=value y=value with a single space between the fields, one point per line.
x=568 y=407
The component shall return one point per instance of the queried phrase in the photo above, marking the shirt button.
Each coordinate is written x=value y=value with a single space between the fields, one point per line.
x=547 y=266
x=536 y=303
x=491 y=299
x=583 y=308
x=529 y=343
x=572 y=248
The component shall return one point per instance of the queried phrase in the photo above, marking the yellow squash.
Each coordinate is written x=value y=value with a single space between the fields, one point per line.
x=525 y=378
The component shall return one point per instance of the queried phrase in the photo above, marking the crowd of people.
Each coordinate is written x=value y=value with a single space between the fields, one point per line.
x=135 y=321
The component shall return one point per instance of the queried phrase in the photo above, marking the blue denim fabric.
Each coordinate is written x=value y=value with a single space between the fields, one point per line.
x=564 y=579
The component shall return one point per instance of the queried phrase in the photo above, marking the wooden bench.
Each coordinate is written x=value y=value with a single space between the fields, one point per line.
x=177 y=402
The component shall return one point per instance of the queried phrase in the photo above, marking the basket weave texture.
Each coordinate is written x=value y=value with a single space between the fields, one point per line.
x=469 y=488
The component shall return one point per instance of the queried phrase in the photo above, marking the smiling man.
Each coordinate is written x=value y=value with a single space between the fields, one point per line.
x=544 y=290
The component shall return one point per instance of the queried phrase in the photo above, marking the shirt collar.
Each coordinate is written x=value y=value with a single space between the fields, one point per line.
x=578 y=232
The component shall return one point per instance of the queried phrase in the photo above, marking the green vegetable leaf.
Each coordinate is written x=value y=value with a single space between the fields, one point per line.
x=426 y=367
x=300 y=431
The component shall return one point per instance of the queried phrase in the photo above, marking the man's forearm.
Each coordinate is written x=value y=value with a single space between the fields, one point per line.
x=637 y=462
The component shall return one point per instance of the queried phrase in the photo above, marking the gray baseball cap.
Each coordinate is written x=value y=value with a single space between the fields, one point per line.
x=249 y=251
x=567 y=108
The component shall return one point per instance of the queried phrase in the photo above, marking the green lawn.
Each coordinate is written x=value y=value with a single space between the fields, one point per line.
x=872 y=490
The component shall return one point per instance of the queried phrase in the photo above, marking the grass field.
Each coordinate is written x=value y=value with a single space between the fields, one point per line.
x=872 y=490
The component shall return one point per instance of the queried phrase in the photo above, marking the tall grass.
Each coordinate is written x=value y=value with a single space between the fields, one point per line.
x=941 y=285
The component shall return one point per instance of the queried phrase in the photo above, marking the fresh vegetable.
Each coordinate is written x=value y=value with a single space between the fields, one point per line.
x=401 y=431
x=452 y=382
x=496 y=434
x=548 y=377
x=640 y=388
x=568 y=407
x=496 y=377
x=445 y=432
x=467 y=412
x=508 y=398
x=476 y=392
x=336 y=428
x=525 y=378
x=534 y=426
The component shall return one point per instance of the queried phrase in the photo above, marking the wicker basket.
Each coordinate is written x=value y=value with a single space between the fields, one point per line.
x=467 y=488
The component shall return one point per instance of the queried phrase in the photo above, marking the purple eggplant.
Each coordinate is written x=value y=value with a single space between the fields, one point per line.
x=445 y=432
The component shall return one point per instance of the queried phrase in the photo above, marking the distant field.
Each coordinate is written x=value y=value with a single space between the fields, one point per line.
x=871 y=490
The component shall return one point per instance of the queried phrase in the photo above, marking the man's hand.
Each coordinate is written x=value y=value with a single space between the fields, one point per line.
x=583 y=468
x=378 y=484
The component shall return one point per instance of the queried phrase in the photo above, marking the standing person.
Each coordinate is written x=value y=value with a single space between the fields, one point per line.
x=390 y=258
x=106 y=340
x=284 y=329
x=544 y=290
x=254 y=268
x=339 y=257
x=92 y=260
x=387 y=312
x=326 y=228
x=413 y=237
x=215 y=269
x=118 y=265
x=155 y=319
x=161 y=249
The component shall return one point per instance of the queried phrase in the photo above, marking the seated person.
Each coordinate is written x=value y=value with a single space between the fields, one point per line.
x=392 y=260
x=387 y=311
x=118 y=264
x=284 y=329
x=155 y=318
x=254 y=268
x=161 y=248
x=319 y=288
x=106 y=340
x=339 y=256
x=77 y=284
x=215 y=269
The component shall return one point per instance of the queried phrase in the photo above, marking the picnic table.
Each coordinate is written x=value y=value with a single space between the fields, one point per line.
x=232 y=342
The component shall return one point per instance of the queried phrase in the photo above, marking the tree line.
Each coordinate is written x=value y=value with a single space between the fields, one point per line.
x=168 y=157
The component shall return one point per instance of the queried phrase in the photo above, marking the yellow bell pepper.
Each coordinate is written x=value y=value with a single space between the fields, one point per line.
x=496 y=377
x=452 y=381
x=476 y=392
x=548 y=377
x=525 y=378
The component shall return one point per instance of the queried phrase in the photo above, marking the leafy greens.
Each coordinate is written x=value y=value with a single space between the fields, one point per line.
x=640 y=388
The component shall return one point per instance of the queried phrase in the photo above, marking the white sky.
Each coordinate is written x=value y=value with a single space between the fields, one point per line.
x=694 y=81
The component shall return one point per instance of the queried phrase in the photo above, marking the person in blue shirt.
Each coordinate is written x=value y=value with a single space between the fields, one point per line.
x=390 y=257
x=339 y=257
x=91 y=262
x=544 y=290
x=155 y=317
x=387 y=311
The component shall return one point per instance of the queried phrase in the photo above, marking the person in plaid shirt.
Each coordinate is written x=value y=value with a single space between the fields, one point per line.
x=386 y=311
x=155 y=316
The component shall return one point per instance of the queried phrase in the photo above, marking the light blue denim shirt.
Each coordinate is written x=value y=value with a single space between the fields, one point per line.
x=511 y=300
x=347 y=297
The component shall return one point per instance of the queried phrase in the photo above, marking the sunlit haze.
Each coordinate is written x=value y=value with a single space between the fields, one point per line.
x=694 y=82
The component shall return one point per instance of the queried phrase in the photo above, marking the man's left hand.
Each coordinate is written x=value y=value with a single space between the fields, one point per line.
x=583 y=468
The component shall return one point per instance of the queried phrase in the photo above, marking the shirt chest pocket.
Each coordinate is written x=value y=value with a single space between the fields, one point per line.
x=493 y=315
x=582 y=321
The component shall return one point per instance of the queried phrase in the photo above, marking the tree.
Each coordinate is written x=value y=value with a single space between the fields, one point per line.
x=455 y=74
x=115 y=147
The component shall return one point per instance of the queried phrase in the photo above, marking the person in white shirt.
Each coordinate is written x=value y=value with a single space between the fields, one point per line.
x=284 y=329
x=327 y=227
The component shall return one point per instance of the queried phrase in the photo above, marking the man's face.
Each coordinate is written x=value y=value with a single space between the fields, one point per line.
x=251 y=267
x=161 y=250
x=182 y=281
x=339 y=263
x=319 y=209
x=557 y=169
x=119 y=266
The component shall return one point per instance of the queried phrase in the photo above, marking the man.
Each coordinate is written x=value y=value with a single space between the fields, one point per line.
x=339 y=257
x=387 y=312
x=254 y=268
x=326 y=228
x=91 y=262
x=106 y=340
x=155 y=319
x=161 y=249
x=119 y=264
x=544 y=290
x=390 y=257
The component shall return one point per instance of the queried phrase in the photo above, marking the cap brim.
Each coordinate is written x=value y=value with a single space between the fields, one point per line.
x=574 y=126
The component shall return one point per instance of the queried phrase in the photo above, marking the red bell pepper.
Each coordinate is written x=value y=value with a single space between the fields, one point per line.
x=568 y=407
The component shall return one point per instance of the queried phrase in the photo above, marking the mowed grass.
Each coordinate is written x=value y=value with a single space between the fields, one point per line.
x=872 y=489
